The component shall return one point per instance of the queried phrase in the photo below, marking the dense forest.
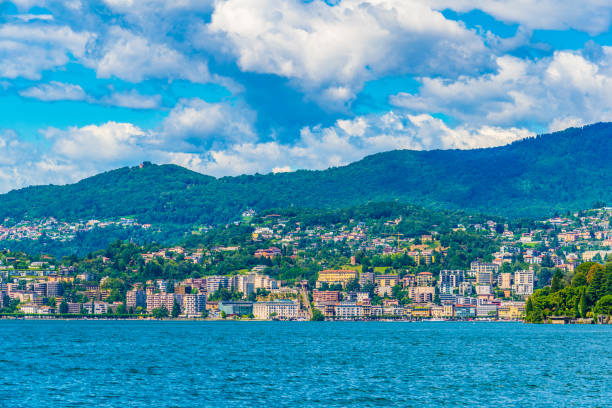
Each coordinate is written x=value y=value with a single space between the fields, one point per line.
x=532 y=177
x=584 y=294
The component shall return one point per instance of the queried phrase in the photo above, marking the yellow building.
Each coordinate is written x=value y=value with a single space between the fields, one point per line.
x=421 y=312
x=511 y=310
x=336 y=276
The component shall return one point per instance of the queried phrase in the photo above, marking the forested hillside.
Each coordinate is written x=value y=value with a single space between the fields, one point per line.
x=533 y=177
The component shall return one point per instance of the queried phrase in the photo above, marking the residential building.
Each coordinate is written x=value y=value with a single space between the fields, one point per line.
x=424 y=279
x=135 y=298
x=483 y=272
x=325 y=296
x=282 y=309
x=213 y=283
x=505 y=281
x=95 y=308
x=54 y=289
x=511 y=310
x=350 y=310
x=523 y=282
x=450 y=280
x=421 y=294
x=385 y=284
x=486 y=310
x=194 y=304
x=365 y=278
x=156 y=300
x=336 y=276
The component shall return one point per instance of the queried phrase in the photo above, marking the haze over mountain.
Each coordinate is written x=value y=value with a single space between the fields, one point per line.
x=533 y=177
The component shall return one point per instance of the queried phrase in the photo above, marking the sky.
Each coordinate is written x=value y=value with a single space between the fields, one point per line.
x=229 y=87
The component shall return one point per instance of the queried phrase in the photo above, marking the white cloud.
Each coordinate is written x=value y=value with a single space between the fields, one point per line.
x=546 y=93
x=591 y=16
x=109 y=143
x=28 y=49
x=55 y=91
x=345 y=142
x=133 y=99
x=134 y=58
x=203 y=123
x=329 y=52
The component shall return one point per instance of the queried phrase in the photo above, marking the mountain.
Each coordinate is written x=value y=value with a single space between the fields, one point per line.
x=561 y=171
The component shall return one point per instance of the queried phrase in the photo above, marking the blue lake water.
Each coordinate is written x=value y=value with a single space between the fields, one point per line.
x=261 y=364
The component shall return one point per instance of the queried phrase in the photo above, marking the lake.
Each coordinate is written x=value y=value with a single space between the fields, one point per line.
x=337 y=364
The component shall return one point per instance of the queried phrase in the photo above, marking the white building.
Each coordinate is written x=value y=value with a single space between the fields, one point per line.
x=194 y=304
x=283 y=309
x=523 y=282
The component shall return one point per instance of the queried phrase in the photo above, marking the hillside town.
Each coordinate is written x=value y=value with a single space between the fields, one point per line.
x=363 y=270
x=61 y=231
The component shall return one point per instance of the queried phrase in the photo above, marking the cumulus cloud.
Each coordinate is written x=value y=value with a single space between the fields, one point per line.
x=591 y=16
x=201 y=123
x=133 y=99
x=55 y=91
x=133 y=58
x=329 y=52
x=110 y=143
x=28 y=49
x=344 y=142
x=565 y=89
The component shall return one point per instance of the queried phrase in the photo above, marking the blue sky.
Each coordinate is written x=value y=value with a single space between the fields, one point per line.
x=228 y=87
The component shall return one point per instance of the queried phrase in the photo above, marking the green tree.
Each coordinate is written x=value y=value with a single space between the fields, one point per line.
x=317 y=315
x=604 y=306
x=579 y=279
x=121 y=310
x=160 y=312
x=63 y=307
x=582 y=305
x=176 y=309
x=556 y=283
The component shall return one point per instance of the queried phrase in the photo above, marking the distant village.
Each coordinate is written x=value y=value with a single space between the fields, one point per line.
x=55 y=230
x=494 y=287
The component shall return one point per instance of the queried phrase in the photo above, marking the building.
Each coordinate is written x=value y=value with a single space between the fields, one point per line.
x=213 y=283
x=420 y=312
x=351 y=310
x=483 y=272
x=281 y=309
x=486 y=310
x=465 y=311
x=365 y=278
x=424 y=279
x=336 y=277
x=244 y=284
x=194 y=304
x=408 y=280
x=74 y=308
x=157 y=300
x=385 y=284
x=421 y=294
x=505 y=281
x=54 y=289
x=95 y=308
x=523 y=282
x=325 y=296
x=135 y=298
x=269 y=253
x=511 y=310
x=40 y=288
x=450 y=280
x=236 y=308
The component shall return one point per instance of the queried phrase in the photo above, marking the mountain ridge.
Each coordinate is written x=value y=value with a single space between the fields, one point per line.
x=530 y=177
